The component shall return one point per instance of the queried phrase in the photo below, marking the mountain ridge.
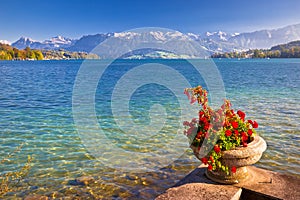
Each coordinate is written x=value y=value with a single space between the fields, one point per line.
x=213 y=42
x=287 y=50
x=52 y=43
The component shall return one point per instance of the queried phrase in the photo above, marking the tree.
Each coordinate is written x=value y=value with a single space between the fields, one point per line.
x=38 y=55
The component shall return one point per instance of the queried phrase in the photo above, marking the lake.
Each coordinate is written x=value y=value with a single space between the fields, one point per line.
x=124 y=130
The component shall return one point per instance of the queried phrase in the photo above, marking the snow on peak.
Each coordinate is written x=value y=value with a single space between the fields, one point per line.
x=208 y=34
x=175 y=34
x=5 y=42
x=193 y=36
x=58 y=40
x=27 y=39
x=234 y=34
x=158 y=35
x=52 y=43
x=217 y=35
x=127 y=35
x=164 y=36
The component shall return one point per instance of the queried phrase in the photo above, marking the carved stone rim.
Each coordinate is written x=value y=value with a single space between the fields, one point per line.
x=257 y=146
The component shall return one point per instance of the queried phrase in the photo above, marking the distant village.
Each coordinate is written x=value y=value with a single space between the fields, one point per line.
x=8 y=52
x=289 y=50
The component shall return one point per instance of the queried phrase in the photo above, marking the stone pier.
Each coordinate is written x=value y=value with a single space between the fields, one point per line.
x=261 y=185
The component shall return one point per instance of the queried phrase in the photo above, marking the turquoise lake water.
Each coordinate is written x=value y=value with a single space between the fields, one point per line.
x=37 y=110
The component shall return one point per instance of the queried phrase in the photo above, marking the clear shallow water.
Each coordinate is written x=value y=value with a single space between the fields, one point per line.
x=36 y=109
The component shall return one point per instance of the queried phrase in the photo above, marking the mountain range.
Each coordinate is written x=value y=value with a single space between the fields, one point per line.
x=186 y=44
x=58 y=42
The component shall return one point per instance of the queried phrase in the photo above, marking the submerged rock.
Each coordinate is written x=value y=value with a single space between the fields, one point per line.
x=83 y=180
x=131 y=177
x=36 y=197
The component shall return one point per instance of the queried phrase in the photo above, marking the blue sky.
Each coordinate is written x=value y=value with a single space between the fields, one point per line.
x=42 y=19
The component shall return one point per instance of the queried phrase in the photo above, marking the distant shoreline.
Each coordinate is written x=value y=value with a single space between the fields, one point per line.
x=132 y=59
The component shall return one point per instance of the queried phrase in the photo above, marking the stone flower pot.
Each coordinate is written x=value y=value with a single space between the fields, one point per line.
x=240 y=157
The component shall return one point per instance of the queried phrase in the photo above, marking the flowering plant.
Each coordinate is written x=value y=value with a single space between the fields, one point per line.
x=232 y=129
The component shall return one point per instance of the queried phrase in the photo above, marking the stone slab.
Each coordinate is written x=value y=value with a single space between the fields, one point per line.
x=262 y=184
x=201 y=191
x=273 y=184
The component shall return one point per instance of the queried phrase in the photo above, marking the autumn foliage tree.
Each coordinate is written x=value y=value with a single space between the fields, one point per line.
x=8 y=52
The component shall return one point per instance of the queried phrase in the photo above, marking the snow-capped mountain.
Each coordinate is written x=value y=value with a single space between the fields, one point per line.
x=266 y=38
x=24 y=42
x=59 y=42
x=218 y=41
x=145 y=41
x=189 y=44
x=53 y=43
x=5 y=42
x=88 y=42
x=216 y=36
x=234 y=34
x=262 y=39
x=194 y=36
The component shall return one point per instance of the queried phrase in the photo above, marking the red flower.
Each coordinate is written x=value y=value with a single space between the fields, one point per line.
x=229 y=113
x=233 y=169
x=244 y=137
x=228 y=133
x=206 y=126
x=236 y=132
x=203 y=120
x=241 y=114
x=201 y=113
x=199 y=134
x=204 y=160
x=250 y=132
x=226 y=123
x=217 y=149
x=234 y=124
x=255 y=124
x=211 y=159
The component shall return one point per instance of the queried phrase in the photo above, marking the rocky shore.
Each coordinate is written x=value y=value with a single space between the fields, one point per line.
x=261 y=185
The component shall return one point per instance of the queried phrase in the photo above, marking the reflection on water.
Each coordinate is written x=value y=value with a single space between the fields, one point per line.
x=36 y=109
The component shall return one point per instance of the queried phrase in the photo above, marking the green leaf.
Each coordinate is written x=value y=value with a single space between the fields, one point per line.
x=219 y=164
